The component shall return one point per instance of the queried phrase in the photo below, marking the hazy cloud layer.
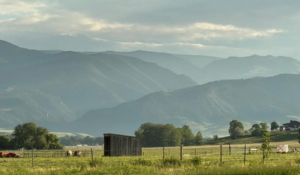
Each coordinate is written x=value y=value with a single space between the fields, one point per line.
x=218 y=28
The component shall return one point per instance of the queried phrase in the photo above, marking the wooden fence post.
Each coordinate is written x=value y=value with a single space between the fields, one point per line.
x=229 y=151
x=263 y=156
x=180 y=152
x=92 y=154
x=195 y=151
x=163 y=152
x=221 y=154
x=32 y=157
x=245 y=155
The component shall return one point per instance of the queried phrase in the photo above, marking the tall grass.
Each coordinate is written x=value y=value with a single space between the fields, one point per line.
x=210 y=164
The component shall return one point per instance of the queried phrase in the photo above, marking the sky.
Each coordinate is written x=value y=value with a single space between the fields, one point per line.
x=196 y=27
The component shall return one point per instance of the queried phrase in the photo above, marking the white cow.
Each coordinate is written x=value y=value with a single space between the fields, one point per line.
x=69 y=153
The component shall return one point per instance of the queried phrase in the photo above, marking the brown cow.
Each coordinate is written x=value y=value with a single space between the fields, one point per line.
x=9 y=154
x=77 y=153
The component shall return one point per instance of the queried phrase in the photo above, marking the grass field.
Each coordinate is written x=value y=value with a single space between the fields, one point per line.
x=196 y=160
x=234 y=164
x=276 y=136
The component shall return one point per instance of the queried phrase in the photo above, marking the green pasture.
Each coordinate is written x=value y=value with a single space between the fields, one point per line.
x=234 y=164
x=196 y=160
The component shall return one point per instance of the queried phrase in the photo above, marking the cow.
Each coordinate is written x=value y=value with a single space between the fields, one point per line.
x=9 y=154
x=77 y=153
x=69 y=153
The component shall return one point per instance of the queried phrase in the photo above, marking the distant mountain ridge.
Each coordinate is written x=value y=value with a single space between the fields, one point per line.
x=124 y=89
x=189 y=65
x=249 y=67
x=209 y=107
x=204 y=69
x=59 y=87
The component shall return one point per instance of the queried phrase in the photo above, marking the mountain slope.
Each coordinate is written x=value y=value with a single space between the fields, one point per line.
x=180 y=64
x=14 y=57
x=204 y=69
x=63 y=86
x=248 y=67
x=209 y=107
x=200 y=61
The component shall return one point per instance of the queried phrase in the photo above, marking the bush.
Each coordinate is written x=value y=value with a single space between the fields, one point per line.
x=196 y=160
x=171 y=161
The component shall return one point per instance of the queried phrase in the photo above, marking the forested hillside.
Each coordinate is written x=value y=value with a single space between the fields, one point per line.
x=208 y=108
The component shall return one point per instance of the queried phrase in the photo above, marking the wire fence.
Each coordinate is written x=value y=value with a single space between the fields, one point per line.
x=220 y=152
x=54 y=153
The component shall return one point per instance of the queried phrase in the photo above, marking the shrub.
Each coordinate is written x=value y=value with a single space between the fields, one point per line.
x=171 y=161
x=196 y=160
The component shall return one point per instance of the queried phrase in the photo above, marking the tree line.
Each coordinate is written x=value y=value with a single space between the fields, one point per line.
x=74 y=140
x=30 y=136
x=236 y=129
x=158 y=135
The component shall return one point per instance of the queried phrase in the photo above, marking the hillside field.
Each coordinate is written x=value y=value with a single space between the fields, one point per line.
x=149 y=164
x=276 y=136
x=203 y=159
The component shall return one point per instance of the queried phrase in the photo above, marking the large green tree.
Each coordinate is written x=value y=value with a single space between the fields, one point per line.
x=274 y=125
x=236 y=129
x=187 y=136
x=4 y=142
x=29 y=136
x=53 y=141
x=158 y=135
x=258 y=129
x=199 y=138
x=264 y=126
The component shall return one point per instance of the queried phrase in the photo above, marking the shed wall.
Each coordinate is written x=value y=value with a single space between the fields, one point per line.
x=119 y=145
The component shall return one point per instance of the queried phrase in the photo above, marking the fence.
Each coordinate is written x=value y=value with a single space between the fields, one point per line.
x=221 y=153
x=224 y=152
x=54 y=153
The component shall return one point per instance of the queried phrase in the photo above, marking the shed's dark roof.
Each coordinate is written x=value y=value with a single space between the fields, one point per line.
x=111 y=134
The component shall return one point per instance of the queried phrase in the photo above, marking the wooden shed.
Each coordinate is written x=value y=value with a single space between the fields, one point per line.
x=121 y=145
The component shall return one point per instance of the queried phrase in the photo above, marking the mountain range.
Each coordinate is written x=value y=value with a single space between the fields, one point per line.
x=208 y=108
x=204 y=69
x=61 y=87
x=117 y=91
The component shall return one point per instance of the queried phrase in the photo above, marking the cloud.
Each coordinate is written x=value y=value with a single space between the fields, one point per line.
x=161 y=26
x=210 y=31
x=17 y=7
x=139 y=44
x=74 y=23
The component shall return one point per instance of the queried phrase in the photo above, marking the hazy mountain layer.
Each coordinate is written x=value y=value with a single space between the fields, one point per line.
x=180 y=64
x=204 y=69
x=209 y=107
x=60 y=87
x=14 y=57
x=248 y=67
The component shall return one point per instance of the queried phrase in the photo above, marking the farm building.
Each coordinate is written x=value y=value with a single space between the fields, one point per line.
x=121 y=145
x=292 y=126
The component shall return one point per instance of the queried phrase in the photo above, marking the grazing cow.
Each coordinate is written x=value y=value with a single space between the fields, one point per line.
x=9 y=154
x=77 y=153
x=69 y=153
